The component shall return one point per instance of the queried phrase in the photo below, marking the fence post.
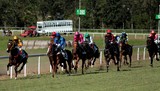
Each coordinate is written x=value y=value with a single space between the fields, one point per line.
x=135 y=36
x=25 y=70
x=11 y=72
x=100 y=59
x=39 y=65
x=144 y=53
x=138 y=54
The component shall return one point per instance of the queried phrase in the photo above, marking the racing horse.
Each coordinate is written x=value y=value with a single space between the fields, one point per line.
x=16 y=57
x=125 y=49
x=152 y=50
x=56 y=58
x=78 y=53
x=91 y=53
x=111 y=51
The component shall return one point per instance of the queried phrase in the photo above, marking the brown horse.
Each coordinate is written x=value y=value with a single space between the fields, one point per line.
x=56 y=58
x=79 y=53
x=16 y=57
x=126 y=49
x=152 y=50
x=111 y=51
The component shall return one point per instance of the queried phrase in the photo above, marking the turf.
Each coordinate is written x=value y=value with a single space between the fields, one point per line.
x=141 y=77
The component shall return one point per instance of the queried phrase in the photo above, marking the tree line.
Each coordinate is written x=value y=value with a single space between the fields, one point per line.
x=117 y=14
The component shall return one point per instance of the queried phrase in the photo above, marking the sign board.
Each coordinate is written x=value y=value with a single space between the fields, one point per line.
x=80 y=12
x=158 y=16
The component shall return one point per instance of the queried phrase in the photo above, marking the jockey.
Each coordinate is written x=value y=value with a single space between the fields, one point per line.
x=116 y=38
x=79 y=39
x=154 y=36
x=18 y=42
x=89 y=39
x=61 y=43
x=52 y=37
x=110 y=36
x=124 y=38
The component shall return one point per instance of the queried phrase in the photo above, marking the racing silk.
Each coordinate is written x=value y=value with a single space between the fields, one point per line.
x=117 y=39
x=19 y=43
x=61 y=42
x=89 y=40
x=78 y=39
x=124 y=38
x=153 y=36
x=110 y=37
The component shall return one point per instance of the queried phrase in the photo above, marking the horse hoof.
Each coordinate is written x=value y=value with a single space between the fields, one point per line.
x=157 y=59
x=118 y=70
x=151 y=65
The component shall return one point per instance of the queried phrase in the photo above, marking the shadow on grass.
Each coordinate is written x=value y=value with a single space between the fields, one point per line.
x=138 y=66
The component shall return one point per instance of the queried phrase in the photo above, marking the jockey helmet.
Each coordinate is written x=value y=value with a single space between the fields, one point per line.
x=108 y=31
x=152 y=31
x=58 y=35
x=76 y=33
x=53 y=33
x=86 y=35
x=15 y=37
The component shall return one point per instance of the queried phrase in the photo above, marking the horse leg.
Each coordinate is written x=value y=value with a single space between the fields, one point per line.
x=24 y=62
x=76 y=65
x=16 y=72
x=130 y=60
x=107 y=62
x=125 y=58
x=151 y=62
x=52 y=64
x=83 y=63
x=117 y=58
x=65 y=67
x=94 y=59
x=120 y=59
x=157 y=56
x=70 y=65
x=8 y=65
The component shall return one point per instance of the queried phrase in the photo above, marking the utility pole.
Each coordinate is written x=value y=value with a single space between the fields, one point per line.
x=79 y=26
x=158 y=24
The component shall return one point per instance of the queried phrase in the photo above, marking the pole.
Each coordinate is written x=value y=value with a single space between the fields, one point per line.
x=39 y=65
x=158 y=24
x=79 y=17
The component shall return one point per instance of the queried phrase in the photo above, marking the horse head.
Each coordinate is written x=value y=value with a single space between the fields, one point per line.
x=55 y=49
x=75 y=44
x=149 y=41
x=10 y=45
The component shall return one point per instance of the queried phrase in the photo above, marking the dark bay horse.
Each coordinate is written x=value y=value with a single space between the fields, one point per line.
x=126 y=49
x=111 y=51
x=79 y=53
x=91 y=53
x=16 y=57
x=56 y=58
x=152 y=50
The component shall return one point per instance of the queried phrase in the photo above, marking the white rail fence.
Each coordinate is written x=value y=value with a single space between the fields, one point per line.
x=43 y=54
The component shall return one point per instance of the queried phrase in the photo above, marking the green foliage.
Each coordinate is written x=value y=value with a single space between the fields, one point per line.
x=100 y=13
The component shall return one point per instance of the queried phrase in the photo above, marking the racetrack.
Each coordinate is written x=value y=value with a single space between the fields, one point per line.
x=141 y=77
